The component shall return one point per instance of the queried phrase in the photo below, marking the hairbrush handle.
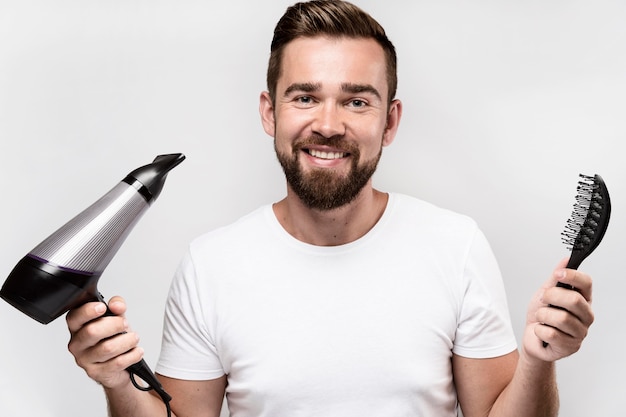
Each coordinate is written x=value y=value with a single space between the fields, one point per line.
x=560 y=284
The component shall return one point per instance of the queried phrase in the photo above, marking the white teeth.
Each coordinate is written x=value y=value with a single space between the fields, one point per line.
x=326 y=155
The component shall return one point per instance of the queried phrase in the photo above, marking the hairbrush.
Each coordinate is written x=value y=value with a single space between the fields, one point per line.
x=585 y=229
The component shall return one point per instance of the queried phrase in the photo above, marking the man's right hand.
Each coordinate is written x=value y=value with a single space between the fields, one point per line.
x=103 y=346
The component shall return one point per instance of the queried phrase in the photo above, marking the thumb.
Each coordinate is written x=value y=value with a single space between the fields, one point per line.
x=117 y=305
x=554 y=277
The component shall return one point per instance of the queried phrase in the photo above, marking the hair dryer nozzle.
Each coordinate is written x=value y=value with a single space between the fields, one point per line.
x=149 y=179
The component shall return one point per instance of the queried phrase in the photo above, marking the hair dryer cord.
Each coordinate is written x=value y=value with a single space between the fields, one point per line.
x=158 y=389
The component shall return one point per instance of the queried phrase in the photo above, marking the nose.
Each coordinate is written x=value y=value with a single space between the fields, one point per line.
x=329 y=121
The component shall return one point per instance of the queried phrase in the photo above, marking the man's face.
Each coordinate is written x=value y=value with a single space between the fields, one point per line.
x=330 y=116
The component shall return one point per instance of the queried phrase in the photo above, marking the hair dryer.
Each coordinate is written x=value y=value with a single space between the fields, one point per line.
x=62 y=272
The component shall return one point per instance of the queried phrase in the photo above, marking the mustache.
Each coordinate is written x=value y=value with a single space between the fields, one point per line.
x=337 y=141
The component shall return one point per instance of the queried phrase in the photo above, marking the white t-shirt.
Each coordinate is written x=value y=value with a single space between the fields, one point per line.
x=362 y=329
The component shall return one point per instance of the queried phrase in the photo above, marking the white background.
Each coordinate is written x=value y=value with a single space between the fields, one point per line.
x=506 y=102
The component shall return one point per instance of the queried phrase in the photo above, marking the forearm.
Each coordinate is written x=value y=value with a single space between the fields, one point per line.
x=128 y=401
x=531 y=393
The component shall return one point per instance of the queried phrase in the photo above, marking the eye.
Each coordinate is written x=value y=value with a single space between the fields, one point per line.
x=357 y=103
x=304 y=100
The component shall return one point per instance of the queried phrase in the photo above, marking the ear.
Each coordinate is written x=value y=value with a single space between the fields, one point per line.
x=393 y=121
x=266 y=110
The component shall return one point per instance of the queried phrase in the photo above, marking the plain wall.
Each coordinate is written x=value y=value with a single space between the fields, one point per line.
x=506 y=102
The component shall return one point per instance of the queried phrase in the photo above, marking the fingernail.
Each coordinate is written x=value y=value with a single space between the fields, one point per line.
x=100 y=308
x=560 y=274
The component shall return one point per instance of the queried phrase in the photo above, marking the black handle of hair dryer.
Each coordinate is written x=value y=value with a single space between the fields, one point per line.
x=141 y=370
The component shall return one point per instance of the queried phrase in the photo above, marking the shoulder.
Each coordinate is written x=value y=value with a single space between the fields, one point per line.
x=253 y=224
x=417 y=226
x=414 y=212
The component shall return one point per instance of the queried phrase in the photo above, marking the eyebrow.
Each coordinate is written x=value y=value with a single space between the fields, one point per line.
x=360 y=88
x=352 y=88
x=303 y=87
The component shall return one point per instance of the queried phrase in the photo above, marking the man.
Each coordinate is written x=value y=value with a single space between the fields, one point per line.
x=339 y=300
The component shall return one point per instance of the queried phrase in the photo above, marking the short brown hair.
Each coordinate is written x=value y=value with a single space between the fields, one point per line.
x=334 y=18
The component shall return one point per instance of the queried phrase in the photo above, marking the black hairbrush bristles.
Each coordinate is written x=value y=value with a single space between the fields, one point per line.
x=590 y=218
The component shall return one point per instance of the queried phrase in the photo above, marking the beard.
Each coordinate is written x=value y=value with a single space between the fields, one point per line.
x=321 y=188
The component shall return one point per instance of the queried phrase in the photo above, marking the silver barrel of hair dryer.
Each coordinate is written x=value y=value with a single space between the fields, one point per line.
x=62 y=272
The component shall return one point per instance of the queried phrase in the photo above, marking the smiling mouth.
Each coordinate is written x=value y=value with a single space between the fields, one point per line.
x=326 y=155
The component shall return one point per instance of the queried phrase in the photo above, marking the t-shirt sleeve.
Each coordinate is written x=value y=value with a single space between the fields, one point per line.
x=188 y=349
x=484 y=329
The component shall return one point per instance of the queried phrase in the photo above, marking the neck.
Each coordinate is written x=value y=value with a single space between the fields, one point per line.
x=331 y=227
